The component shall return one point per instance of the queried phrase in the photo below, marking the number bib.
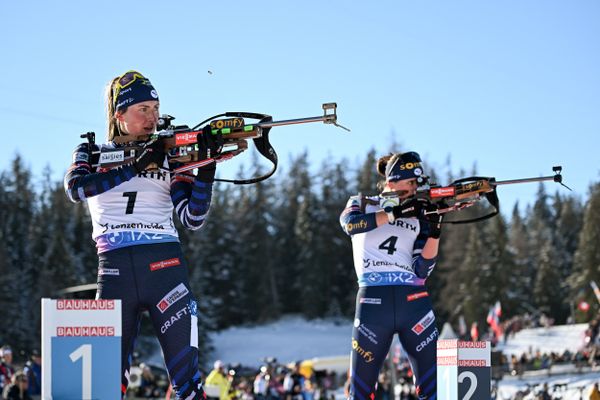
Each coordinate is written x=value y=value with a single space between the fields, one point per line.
x=384 y=255
x=138 y=211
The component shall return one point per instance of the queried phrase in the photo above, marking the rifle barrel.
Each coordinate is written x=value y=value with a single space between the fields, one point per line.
x=269 y=124
x=555 y=178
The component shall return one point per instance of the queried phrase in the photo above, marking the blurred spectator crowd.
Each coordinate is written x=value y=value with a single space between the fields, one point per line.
x=299 y=381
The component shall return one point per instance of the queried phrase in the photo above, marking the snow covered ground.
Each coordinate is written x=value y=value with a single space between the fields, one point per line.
x=554 y=339
x=289 y=339
x=293 y=338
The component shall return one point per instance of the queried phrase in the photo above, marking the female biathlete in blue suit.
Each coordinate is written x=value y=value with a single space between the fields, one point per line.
x=394 y=252
x=131 y=208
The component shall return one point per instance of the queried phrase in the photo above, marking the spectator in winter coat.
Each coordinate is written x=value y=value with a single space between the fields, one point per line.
x=261 y=383
x=219 y=378
x=6 y=369
x=595 y=393
x=293 y=384
x=17 y=390
x=33 y=370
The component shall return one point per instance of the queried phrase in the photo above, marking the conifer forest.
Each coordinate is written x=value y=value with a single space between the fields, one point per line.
x=277 y=248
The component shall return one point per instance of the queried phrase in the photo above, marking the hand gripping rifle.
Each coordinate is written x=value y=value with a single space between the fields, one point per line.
x=463 y=193
x=180 y=142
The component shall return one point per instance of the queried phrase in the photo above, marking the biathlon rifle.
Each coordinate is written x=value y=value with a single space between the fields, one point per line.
x=463 y=193
x=180 y=142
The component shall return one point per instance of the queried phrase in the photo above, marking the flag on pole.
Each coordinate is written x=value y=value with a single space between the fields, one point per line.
x=498 y=310
x=493 y=319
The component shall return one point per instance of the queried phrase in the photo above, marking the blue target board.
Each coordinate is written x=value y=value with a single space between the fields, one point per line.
x=81 y=349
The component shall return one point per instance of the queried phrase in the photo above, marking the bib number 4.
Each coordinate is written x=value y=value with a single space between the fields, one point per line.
x=389 y=245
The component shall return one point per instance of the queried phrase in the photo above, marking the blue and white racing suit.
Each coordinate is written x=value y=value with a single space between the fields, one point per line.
x=140 y=258
x=392 y=297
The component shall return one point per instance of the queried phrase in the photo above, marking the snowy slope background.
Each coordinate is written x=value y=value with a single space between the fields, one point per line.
x=288 y=339
x=293 y=338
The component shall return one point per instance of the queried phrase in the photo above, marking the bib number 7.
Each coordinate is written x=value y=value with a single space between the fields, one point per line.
x=130 y=201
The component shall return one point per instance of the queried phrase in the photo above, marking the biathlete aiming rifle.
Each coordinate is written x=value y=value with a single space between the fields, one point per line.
x=180 y=142
x=463 y=193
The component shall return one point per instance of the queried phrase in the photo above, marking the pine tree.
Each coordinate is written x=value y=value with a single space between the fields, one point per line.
x=6 y=272
x=547 y=285
x=542 y=223
x=315 y=277
x=465 y=294
x=292 y=190
x=335 y=247
x=501 y=263
x=520 y=281
x=368 y=177
x=259 y=297
x=568 y=226
x=17 y=216
x=586 y=266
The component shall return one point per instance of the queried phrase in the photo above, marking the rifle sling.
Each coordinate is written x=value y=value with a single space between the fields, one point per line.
x=264 y=147
x=492 y=198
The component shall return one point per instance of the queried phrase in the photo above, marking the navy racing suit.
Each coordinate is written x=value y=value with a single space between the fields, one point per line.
x=392 y=297
x=140 y=258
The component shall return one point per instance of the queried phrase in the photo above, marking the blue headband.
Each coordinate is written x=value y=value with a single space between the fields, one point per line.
x=132 y=88
x=405 y=166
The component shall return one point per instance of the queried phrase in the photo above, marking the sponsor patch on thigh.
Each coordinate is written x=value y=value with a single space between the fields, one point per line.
x=172 y=297
x=416 y=296
x=171 y=262
x=423 y=323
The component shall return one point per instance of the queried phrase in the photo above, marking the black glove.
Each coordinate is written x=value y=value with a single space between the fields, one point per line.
x=410 y=208
x=435 y=222
x=152 y=153
x=209 y=145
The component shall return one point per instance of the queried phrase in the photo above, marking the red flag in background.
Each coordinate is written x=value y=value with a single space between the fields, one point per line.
x=583 y=306
x=474 y=332
x=490 y=316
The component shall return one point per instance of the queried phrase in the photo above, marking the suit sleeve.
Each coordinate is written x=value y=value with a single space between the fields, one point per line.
x=354 y=220
x=82 y=181
x=191 y=199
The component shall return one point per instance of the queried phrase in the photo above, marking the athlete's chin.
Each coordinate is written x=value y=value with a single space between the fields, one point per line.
x=142 y=132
